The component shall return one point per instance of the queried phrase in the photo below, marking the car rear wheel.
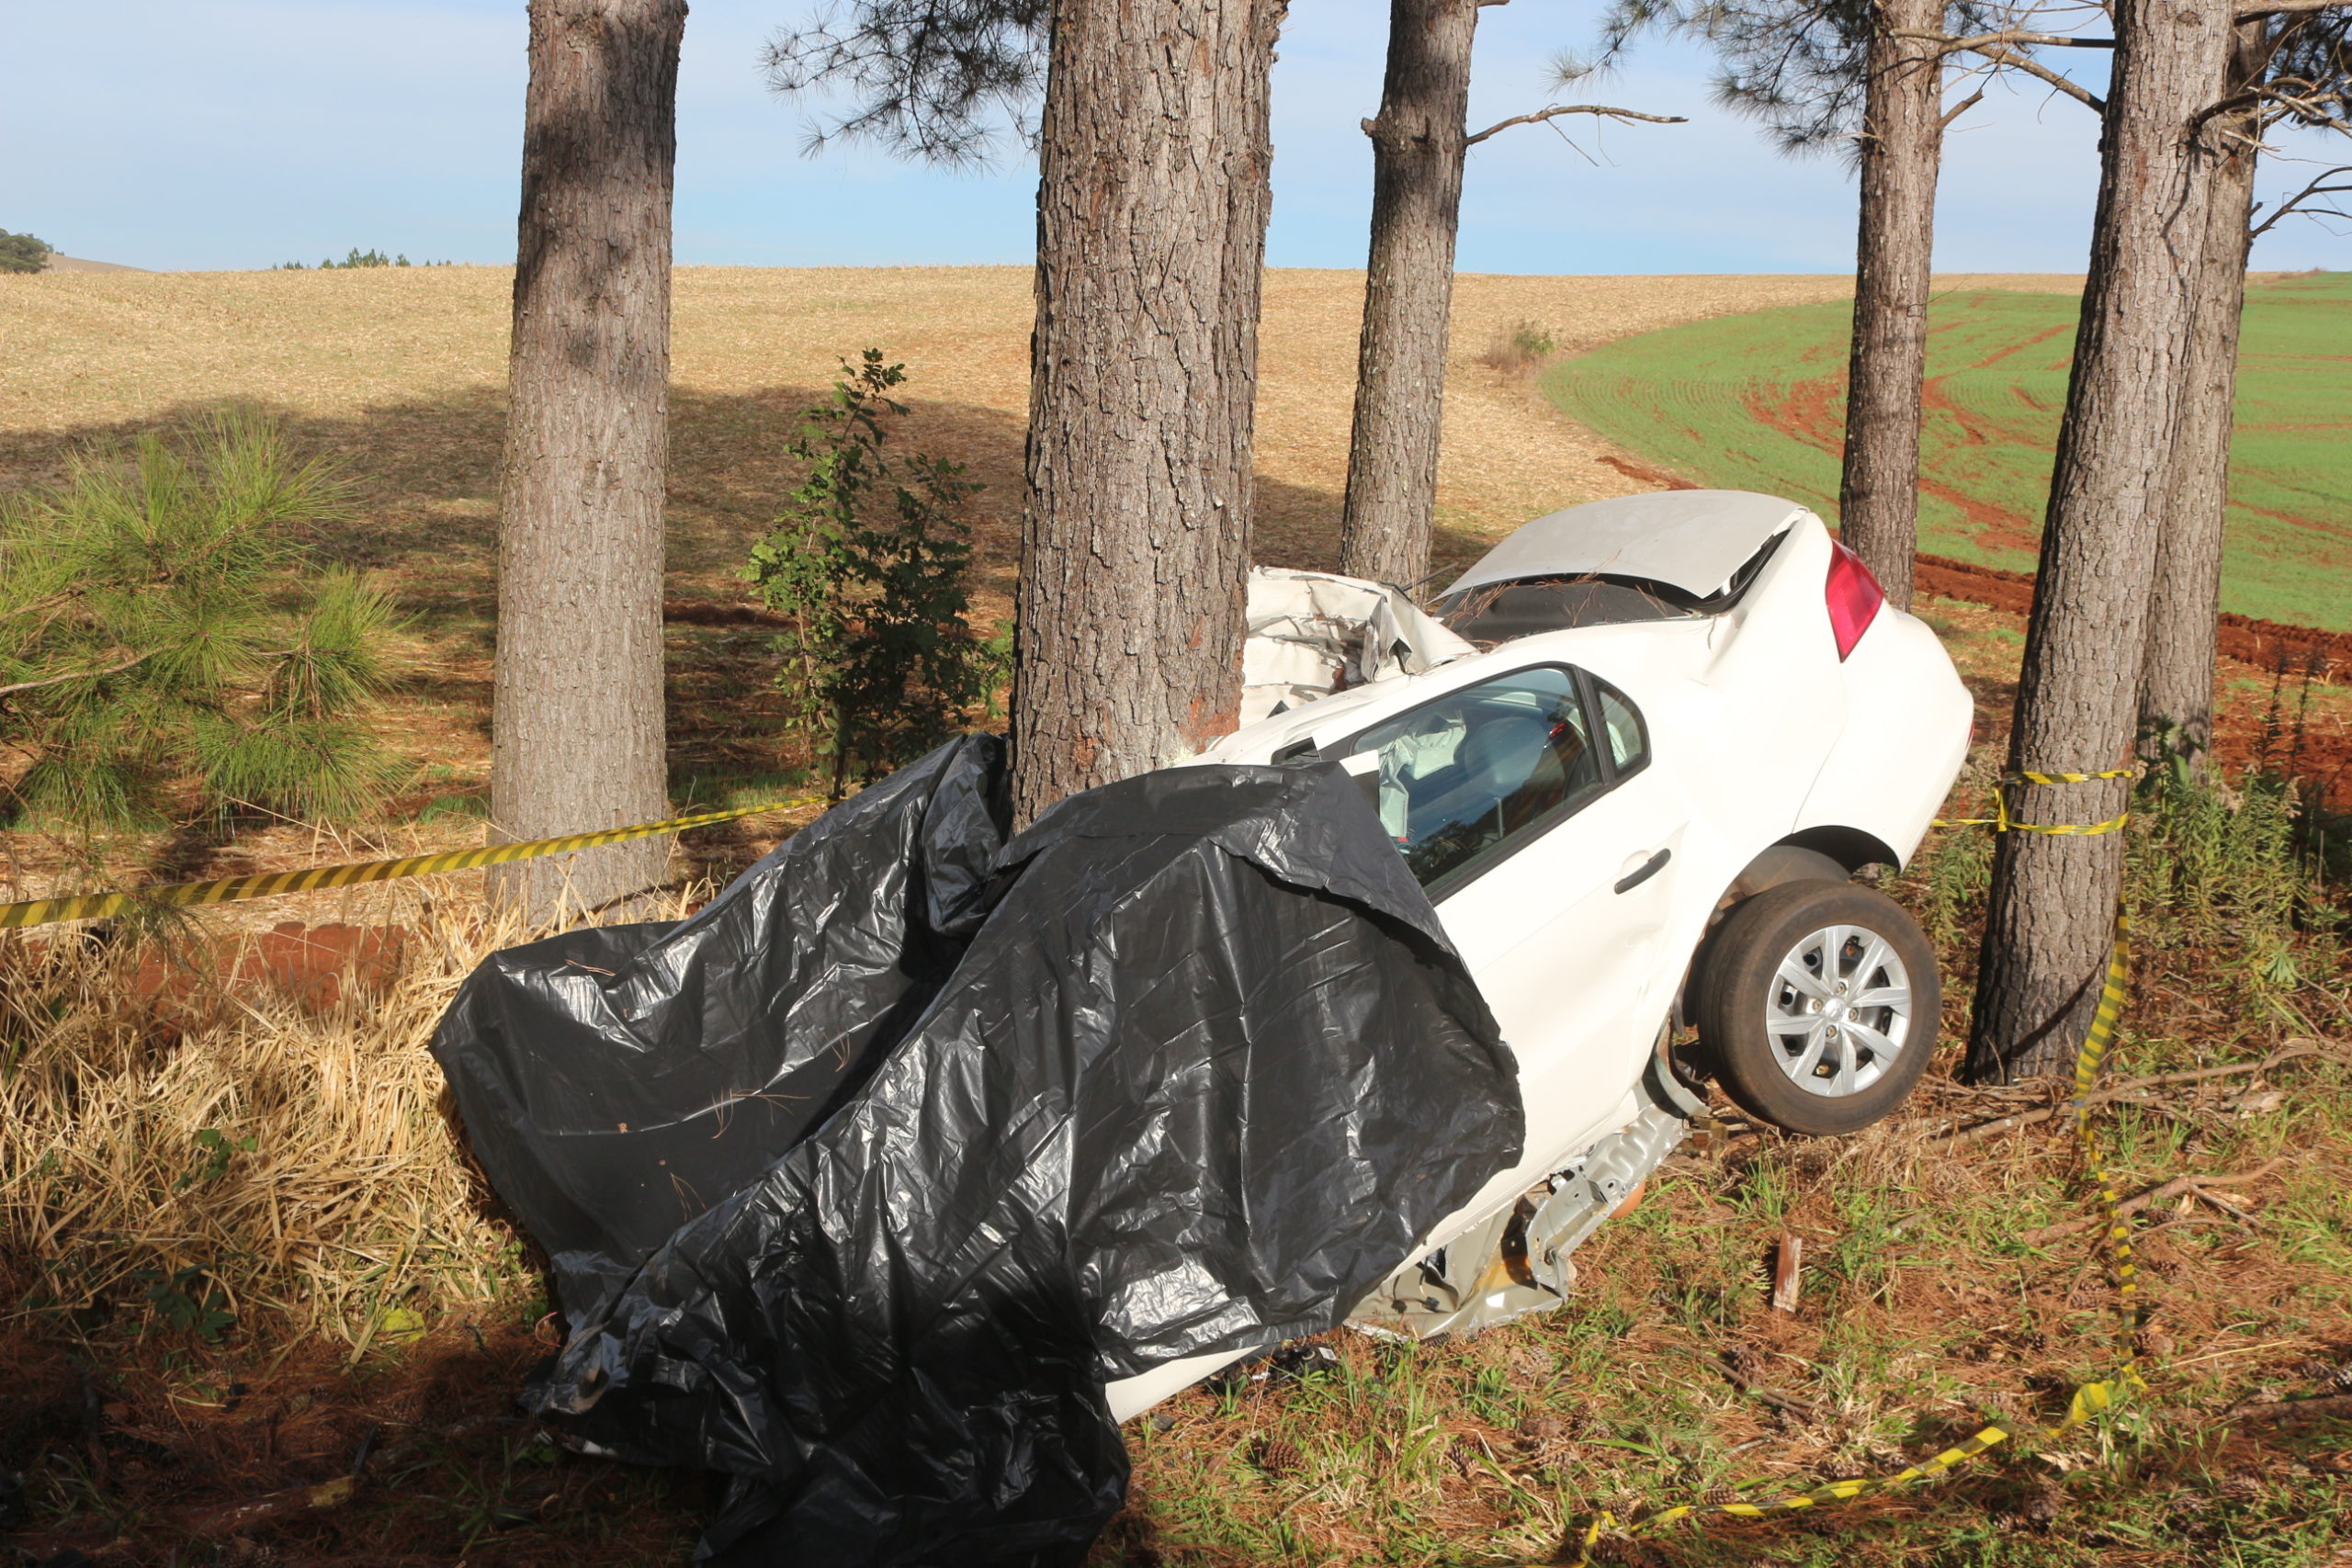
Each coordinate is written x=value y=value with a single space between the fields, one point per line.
x=1817 y=1003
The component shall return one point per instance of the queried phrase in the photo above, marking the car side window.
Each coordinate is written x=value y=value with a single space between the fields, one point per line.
x=1466 y=775
x=1620 y=721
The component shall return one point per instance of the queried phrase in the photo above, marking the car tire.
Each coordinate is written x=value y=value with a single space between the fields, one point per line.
x=1797 y=1050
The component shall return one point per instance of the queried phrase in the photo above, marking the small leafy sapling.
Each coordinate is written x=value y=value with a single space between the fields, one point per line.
x=865 y=565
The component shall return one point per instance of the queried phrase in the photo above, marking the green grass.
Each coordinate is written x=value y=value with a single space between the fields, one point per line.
x=1757 y=403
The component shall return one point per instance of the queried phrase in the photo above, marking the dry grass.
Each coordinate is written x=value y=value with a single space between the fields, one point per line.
x=183 y=1120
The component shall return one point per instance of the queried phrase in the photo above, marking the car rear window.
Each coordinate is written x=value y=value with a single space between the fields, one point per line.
x=1502 y=611
x=1497 y=612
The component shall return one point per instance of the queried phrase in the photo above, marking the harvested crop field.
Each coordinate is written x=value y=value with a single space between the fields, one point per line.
x=397 y=375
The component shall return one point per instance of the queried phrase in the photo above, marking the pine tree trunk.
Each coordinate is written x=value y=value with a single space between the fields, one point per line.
x=1901 y=146
x=2053 y=897
x=1152 y=198
x=1418 y=142
x=577 y=722
x=2177 y=684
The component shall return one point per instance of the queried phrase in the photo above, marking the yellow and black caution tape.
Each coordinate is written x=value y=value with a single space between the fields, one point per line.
x=2090 y=1401
x=2022 y=777
x=2001 y=822
x=229 y=889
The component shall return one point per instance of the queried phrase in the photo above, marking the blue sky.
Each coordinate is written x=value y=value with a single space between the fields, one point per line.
x=236 y=134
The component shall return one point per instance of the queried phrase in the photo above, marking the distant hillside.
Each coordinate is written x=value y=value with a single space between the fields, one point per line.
x=75 y=264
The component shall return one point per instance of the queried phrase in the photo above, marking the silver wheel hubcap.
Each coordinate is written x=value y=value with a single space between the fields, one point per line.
x=1839 y=1010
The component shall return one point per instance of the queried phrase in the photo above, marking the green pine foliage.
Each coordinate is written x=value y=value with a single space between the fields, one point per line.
x=866 y=567
x=161 y=628
x=23 y=252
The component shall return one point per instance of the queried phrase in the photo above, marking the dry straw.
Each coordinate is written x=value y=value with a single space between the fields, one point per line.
x=166 y=1105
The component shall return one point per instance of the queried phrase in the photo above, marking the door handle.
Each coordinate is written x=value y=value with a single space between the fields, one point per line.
x=1645 y=870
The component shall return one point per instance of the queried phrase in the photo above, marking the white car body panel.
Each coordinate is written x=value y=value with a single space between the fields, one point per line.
x=1758 y=734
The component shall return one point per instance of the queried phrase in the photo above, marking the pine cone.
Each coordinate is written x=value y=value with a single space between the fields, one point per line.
x=2242 y=1488
x=1544 y=1426
x=1720 y=1494
x=1279 y=1456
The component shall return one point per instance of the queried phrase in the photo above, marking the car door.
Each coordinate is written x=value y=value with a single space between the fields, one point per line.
x=1528 y=806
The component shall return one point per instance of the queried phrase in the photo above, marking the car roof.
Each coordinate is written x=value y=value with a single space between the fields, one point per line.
x=1690 y=539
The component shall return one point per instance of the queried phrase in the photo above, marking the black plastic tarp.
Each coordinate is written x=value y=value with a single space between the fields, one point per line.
x=862 y=1183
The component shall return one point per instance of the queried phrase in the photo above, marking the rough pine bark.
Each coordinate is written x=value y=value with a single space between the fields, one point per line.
x=2053 y=897
x=2177 y=681
x=577 y=722
x=1901 y=146
x=1152 y=198
x=1418 y=142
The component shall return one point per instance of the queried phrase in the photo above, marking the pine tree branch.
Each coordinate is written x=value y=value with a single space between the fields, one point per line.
x=1960 y=109
x=2281 y=7
x=1558 y=109
x=2319 y=186
x=2044 y=40
x=2074 y=90
x=7 y=692
x=63 y=597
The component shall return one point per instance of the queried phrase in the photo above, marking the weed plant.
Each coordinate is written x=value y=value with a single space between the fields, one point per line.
x=866 y=566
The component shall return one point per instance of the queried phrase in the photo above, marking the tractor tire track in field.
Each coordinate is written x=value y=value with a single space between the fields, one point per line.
x=1754 y=402
x=1813 y=413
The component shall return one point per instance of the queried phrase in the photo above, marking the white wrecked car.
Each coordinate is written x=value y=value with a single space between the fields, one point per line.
x=1635 y=766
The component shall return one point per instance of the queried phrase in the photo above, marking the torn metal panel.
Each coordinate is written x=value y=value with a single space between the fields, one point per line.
x=1314 y=633
x=1518 y=1260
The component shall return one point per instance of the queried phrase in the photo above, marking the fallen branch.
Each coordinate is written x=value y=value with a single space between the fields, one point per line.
x=1748 y=1385
x=2335 y=1404
x=2128 y=1088
x=221 y=1521
x=2172 y=1189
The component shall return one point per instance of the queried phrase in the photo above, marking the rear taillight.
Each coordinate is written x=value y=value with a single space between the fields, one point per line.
x=1854 y=597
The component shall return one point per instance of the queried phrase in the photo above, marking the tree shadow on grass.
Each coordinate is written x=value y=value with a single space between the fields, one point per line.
x=423 y=520
x=424 y=478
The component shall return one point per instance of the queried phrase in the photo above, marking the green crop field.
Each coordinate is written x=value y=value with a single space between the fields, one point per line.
x=1757 y=403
